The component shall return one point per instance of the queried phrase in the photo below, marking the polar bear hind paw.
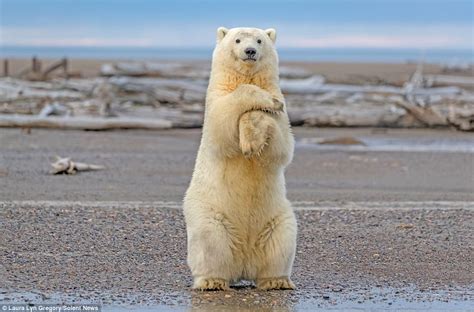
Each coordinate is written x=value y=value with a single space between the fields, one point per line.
x=211 y=284
x=275 y=283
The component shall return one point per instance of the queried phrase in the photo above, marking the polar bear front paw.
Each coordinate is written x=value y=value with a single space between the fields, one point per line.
x=210 y=283
x=252 y=147
x=275 y=283
x=254 y=133
x=276 y=108
x=278 y=105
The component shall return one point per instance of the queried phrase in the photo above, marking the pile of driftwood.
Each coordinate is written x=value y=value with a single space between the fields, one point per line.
x=166 y=95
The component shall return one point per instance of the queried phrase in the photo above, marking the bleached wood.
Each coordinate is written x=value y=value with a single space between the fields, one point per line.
x=450 y=80
x=83 y=123
x=461 y=117
x=427 y=115
x=315 y=85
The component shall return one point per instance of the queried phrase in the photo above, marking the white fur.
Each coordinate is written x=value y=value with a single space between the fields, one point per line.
x=239 y=223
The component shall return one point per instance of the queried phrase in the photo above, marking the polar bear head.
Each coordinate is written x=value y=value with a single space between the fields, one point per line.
x=245 y=49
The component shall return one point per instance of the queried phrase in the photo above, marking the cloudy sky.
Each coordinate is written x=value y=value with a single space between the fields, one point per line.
x=176 y=23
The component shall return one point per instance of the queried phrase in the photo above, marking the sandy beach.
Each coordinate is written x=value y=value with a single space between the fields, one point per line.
x=379 y=228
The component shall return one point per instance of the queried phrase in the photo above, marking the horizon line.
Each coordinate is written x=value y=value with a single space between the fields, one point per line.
x=2 y=46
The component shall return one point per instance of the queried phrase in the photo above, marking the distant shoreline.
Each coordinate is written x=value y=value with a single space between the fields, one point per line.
x=350 y=55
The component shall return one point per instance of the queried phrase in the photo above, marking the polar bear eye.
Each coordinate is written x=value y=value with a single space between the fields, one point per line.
x=259 y=41
x=237 y=41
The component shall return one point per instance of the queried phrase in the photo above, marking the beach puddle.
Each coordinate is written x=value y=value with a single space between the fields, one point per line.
x=387 y=144
x=374 y=299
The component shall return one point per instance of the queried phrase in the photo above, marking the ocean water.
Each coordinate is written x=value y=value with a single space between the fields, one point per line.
x=286 y=54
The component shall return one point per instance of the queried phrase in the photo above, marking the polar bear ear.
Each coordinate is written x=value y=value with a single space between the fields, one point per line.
x=221 y=32
x=271 y=32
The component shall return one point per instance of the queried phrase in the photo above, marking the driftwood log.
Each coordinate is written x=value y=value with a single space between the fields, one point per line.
x=449 y=80
x=340 y=116
x=316 y=85
x=461 y=118
x=175 y=91
x=68 y=166
x=429 y=116
x=83 y=123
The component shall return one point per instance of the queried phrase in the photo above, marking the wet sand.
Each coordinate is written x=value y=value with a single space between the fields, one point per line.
x=157 y=166
x=377 y=229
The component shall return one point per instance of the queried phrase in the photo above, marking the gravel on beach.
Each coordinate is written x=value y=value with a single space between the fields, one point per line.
x=134 y=254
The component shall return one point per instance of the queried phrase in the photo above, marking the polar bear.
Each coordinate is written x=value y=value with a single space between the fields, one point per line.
x=240 y=226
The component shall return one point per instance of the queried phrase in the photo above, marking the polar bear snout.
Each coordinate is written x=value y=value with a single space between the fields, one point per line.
x=247 y=50
x=251 y=54
x=248 y=47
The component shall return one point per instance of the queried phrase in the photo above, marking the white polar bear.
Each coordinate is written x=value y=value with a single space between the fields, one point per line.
x=239 y=223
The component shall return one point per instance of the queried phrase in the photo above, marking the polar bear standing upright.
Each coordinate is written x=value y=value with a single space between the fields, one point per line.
x=239 y=223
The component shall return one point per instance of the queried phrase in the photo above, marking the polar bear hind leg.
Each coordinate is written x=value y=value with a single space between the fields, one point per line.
x=276 y=244
x=212 y=253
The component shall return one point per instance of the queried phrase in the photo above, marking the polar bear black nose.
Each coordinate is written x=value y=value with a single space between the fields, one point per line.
x=250 y=52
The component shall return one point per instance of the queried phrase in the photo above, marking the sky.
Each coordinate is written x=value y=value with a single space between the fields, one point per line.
x=420 y=24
